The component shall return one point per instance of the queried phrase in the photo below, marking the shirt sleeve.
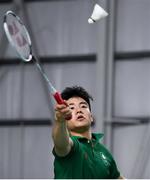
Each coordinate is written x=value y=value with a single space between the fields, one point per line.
x=114 y=170
x=72 y=151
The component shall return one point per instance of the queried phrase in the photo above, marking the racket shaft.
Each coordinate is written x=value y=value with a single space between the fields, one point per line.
x=56 y=94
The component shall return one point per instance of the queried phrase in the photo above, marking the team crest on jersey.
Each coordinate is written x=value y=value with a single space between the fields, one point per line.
x=105 y=160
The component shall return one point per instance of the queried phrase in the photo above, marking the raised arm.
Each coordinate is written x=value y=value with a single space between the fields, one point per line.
x=60 y=134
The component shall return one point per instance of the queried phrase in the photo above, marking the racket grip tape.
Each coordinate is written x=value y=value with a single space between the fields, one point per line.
x=60 y=100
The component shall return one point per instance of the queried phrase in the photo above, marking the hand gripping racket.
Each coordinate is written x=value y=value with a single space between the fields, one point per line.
x=19 y=38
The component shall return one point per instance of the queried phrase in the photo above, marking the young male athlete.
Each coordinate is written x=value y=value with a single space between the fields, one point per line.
x=78 y=152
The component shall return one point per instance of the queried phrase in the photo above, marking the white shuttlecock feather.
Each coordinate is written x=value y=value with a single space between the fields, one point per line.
x=97 y=14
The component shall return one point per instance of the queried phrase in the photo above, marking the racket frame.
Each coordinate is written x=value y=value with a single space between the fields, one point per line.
x=6 y=29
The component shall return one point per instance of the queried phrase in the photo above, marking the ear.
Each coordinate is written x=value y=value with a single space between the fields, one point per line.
x=92 y=118
x=92 y=121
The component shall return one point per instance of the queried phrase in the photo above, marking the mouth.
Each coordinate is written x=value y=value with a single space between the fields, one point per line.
x=80 y=118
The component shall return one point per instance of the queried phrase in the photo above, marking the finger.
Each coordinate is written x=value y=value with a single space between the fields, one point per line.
x=65 y=102
x=59 y=107
x=63 y=112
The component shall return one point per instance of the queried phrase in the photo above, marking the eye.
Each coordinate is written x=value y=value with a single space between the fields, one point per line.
x=71 y=107
x=84 y=106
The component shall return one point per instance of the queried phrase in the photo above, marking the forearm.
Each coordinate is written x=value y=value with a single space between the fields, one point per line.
x=60 y=134
x=62 y=141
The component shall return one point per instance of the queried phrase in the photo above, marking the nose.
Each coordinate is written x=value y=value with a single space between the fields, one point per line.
x=78 y=110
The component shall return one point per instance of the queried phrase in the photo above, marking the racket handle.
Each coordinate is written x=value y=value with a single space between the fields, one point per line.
x=60 y=100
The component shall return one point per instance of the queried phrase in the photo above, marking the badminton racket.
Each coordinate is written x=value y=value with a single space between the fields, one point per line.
x=19 y=38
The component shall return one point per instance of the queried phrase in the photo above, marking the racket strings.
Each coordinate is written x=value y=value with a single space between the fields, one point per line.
x=13 y=29
x=18 y=36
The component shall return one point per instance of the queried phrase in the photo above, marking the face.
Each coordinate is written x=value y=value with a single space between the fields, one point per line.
x=81 y=115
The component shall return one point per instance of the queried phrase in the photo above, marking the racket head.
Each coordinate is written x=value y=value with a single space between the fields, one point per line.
x=17 y=35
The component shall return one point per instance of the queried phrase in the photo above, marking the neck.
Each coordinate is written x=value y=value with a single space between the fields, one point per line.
x=86 y=134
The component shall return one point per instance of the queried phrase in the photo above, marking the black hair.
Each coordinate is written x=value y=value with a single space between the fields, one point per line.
x=76 y=91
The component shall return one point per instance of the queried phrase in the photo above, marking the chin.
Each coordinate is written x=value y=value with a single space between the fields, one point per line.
x=81 y=128
x=79 y=125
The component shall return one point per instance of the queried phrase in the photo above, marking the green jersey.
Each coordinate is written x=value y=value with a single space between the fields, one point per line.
x=88 y=159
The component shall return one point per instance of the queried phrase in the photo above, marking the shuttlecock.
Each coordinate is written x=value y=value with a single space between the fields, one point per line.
x=97 y=14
